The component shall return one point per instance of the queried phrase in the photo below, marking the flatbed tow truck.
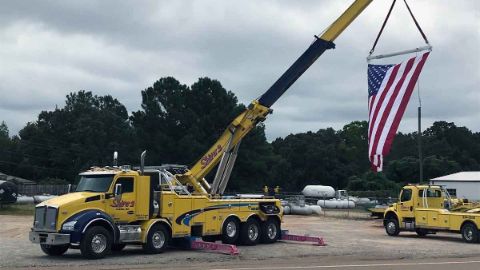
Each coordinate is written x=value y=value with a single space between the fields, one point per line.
x=427 y=209
x=115 y=206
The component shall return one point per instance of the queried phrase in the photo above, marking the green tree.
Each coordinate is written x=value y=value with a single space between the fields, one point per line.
x=178 y=123
x=6 y=149
x=84 y=133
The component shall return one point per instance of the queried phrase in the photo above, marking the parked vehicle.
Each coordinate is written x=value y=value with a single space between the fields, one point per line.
x=427 y=209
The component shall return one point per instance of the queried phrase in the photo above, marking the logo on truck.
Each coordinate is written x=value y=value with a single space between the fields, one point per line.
x=208 y=158
x=123 y=204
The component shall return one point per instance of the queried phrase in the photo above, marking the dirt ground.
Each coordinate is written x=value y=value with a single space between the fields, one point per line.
x=357 y=238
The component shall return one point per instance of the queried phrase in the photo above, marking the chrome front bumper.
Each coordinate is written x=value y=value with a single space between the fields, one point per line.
x=49 y=238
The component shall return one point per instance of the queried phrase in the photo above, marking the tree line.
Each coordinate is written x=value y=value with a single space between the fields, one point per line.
x=177 y=123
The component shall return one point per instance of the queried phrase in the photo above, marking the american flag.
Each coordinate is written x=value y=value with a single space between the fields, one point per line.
x=389 y=90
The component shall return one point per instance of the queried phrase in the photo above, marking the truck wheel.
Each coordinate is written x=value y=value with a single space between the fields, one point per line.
x=270 y=231
x=96 y=243
x=157 y=239
x=421 y=232
x=54 y=250
x=391 y=227
x=469 y=233
x=230 y=231
x=250 y=232
x=118 y=247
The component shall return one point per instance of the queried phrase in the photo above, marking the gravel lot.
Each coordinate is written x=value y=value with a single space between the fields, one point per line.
x=358 y=238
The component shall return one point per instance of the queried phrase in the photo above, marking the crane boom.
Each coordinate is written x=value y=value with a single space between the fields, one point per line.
x=225 y=149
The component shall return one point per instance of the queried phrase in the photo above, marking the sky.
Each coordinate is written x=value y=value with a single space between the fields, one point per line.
x=51 y=48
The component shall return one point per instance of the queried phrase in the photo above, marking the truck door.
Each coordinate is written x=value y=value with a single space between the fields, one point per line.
x=183 y=214
x=406 y=203
x=123 y=211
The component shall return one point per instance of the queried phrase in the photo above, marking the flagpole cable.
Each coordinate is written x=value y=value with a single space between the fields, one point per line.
x=428 y=47
x=383 y=27
x=416 y=23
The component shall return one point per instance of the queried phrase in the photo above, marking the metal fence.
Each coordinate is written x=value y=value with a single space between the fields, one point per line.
x=348 y=207
x=30 y=190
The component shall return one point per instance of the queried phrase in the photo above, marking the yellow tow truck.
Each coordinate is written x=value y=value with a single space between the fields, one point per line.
x=115 y=206
x=427 y=209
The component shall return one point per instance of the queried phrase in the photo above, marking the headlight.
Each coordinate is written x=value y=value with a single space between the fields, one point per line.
x=68 y=226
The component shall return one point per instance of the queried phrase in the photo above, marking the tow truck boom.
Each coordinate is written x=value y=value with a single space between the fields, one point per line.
x=224 y=150
x=113 y=207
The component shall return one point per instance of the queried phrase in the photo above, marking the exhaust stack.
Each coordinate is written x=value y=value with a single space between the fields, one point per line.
x=142 y=161
x=115 y=159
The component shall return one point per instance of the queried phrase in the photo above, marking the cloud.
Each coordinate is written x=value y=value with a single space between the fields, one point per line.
x=51 y=48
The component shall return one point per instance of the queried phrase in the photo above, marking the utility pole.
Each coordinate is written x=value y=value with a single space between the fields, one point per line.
x=420 y=155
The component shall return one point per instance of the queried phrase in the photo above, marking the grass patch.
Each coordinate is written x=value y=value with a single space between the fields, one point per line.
x=18 y=209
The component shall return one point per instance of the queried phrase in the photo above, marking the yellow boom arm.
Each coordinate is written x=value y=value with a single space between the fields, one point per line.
x=224 y=151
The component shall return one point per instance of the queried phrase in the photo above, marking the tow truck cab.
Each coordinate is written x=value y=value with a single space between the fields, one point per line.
x=119 y=200
x=427 y=209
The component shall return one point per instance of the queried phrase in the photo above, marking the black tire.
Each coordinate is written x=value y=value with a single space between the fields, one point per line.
x=469 y=233
x=421 y=232
x=54 y=250
x=391 y=227
x=157 y=239
x=118 y=247
x=271 y=231
x=230 y=231
x=250 y=232
x=96 y=243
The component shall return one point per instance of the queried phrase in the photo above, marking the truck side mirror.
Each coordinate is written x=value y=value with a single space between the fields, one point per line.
x=69 y=189
x=118 y=192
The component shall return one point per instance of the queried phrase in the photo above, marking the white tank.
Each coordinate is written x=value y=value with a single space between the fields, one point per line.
x=25 y=199
x=350 y=204
x=41 y=198
x=316 y=209
x=363 y=201
x=336 y=204
x=299 y=210
x=319 y=191
x=328 y=204
x=286 y=210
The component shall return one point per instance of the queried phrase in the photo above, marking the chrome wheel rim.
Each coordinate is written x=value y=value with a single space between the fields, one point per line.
x=391 y=227
x=271 y=231
x=158 y=239
x=468 y=234
x=253 y=232
x=99 y=243
x=231 y=229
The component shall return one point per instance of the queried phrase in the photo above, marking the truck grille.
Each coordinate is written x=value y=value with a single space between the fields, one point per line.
x=45 y=218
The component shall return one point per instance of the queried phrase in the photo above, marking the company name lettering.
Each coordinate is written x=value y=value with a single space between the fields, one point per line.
x=207 y=159
x=123 y=204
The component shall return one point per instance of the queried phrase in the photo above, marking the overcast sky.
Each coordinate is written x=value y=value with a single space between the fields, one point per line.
x=51 y=48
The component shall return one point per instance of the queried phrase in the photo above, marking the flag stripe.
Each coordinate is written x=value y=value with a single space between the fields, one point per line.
x=387 y=108
x=373 y=117
x=392 y=106
x=404 y=103
x=390 y=89
x=380 y=107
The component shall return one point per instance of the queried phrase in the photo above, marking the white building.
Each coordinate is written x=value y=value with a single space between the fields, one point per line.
x=461 y=185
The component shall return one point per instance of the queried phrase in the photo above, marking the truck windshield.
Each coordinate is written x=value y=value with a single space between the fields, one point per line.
x=94 y=183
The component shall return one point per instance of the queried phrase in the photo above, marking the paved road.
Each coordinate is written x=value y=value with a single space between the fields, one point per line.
x=334 y=262
x=351 y=244
x=355 y=264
